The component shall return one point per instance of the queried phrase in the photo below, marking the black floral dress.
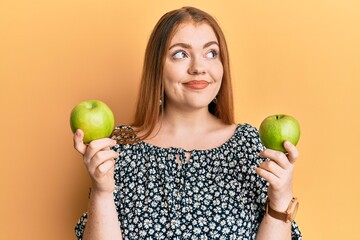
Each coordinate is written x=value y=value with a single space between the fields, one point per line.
x=214 y=195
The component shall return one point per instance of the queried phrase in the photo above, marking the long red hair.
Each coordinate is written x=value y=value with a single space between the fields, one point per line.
x=149 y=109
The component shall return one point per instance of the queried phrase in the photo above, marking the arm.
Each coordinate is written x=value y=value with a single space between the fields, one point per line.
x=278 y=172
x=271 y=228
x=102 y=221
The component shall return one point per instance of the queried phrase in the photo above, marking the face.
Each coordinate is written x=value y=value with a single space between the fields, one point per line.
x=192 y=70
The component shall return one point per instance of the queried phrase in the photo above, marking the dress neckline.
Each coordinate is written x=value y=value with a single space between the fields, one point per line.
x=179 y=149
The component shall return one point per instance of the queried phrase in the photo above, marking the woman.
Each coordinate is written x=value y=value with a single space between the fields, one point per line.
x=184 y=169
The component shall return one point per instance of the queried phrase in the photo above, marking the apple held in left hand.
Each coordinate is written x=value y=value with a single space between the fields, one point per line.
x=94 y=118
x=276 y=129
x=279 y=133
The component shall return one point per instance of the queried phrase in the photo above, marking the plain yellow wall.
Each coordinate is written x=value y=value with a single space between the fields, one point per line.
x=296 y=57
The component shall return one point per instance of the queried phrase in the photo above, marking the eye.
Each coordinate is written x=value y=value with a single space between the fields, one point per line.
x=212 y=54
x=179 y=55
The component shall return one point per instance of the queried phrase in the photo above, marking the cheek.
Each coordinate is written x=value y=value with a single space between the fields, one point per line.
x=171 y=87
x=171 y=73
x=217 y=76
x=217 y=72
x=221 y=74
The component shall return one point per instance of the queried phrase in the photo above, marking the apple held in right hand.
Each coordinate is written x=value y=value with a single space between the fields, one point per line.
x=276 y=129
x=94 y=118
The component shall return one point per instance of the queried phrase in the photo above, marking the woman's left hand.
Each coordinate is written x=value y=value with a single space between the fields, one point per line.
x=278 y=171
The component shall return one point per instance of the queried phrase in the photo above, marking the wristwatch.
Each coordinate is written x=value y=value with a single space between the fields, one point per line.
x=288 y=215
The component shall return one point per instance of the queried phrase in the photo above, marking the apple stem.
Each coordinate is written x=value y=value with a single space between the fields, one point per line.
x=277 y=117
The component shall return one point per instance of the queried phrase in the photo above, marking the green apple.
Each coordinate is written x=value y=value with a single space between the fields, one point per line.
x=276 y=129
x=94 y=118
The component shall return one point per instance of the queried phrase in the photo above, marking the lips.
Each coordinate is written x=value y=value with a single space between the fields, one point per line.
x=196 y=84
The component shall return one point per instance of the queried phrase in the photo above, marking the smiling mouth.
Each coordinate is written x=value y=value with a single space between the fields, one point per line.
x=196 y=84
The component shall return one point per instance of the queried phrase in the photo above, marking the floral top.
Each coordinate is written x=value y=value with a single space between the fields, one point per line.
x=214 y=195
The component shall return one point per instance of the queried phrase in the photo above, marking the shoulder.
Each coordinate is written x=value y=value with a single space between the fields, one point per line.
x=247 y=136
x=124 y=134
x=247 y=130
x=127 y=145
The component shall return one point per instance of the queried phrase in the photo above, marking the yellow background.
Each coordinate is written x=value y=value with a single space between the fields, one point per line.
x=296 y=57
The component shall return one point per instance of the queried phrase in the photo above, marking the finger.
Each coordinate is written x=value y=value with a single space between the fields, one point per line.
x=292 y=151
x=268 y=176
x=100 y=158
x=98 y=145
x=277 y=156
x=106 y=166
x=78 y=141
x=272 y=167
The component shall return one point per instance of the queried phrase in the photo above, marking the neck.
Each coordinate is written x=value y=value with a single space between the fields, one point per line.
x=188 y=130
x=188 y=122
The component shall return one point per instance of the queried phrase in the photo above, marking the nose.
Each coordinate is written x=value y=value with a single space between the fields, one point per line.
x=196 y=67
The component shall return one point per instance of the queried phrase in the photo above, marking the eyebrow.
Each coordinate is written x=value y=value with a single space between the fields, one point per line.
x=188 y=46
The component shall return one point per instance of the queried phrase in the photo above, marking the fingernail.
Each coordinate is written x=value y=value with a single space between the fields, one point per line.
x=77 y=133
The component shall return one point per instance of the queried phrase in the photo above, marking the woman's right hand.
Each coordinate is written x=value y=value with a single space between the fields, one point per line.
x=99 y=161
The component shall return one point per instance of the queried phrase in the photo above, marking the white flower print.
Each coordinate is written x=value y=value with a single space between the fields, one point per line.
x=215 y=195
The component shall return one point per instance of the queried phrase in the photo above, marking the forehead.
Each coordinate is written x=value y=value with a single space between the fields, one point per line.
x=189 y=32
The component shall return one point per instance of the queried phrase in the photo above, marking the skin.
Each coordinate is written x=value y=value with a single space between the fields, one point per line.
x=192 y=55
x=191 y=59
x=99 y=161
x=279 y=173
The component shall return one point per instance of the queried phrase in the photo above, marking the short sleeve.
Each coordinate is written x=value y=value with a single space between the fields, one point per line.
x=80 y=226
x=258 y=185
x=295 y=231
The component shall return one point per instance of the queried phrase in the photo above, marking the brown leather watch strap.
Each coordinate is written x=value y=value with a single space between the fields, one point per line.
x=275 y=214
x=286 y=216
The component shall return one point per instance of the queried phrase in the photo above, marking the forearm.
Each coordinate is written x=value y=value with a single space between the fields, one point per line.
x=273 y=229
x=102 y=220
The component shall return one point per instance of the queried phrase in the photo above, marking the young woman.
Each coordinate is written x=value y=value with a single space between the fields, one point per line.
x=184 y=169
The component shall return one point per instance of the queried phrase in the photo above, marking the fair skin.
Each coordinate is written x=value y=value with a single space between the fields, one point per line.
x=192 y=77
